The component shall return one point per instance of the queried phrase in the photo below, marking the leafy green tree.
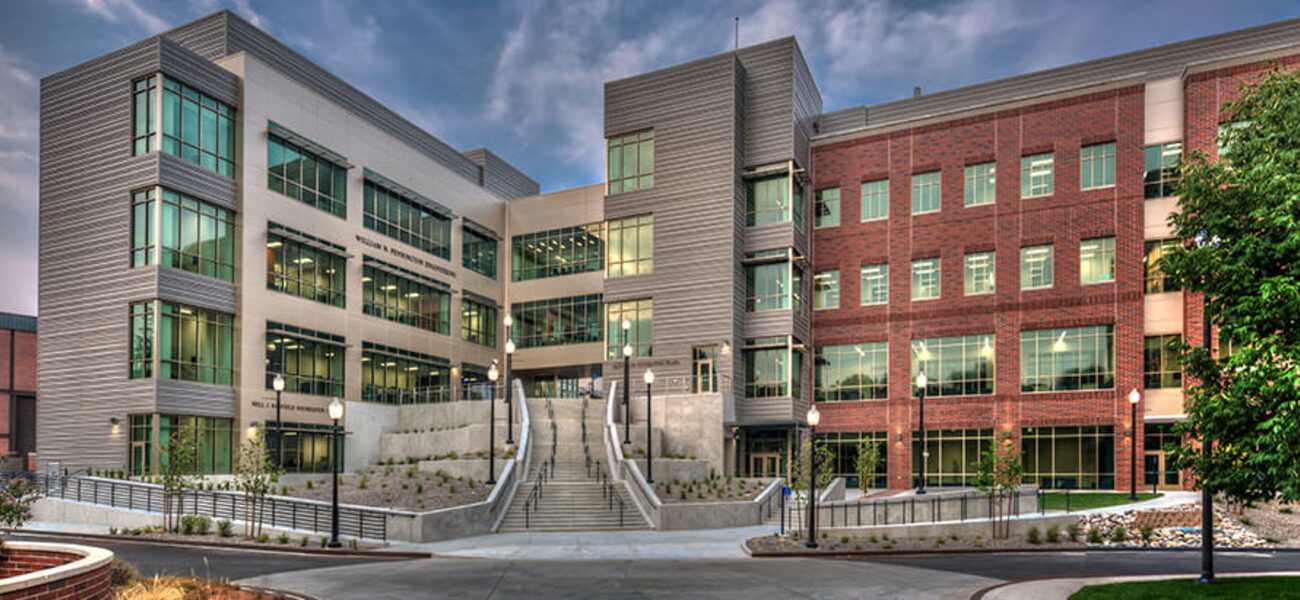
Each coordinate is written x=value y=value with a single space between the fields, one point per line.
x=866 y=463
x=16 y=499
x=1241 y=247
x=998 y=474
x=825 y=461
x=179 y=464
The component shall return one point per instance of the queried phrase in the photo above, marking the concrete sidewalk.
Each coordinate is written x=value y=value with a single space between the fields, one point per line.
x=601 y=545
x=1047 y=589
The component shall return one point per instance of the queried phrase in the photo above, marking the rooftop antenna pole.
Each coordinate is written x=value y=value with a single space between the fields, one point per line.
x=737 y=33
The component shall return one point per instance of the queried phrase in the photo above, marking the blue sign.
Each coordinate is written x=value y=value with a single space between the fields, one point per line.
x=785 y=490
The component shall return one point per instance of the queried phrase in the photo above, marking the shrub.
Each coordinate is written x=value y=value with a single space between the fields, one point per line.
x=844 y=539
x=1034 y=536
x=187 y=524
x=309 y=484
x=1286 y=510
x=324 y=541
x=1054 y=533
x=410 y=473
x=873 y=539
x=1247 y=521
x=225 y=528
x=202 y=525
x=303 y=542
x=1120 y=534
x=1094 y=535
x=122 y=573
x=1146 y=531
x=1072 y=531
x=825 y=535
x=362 y=483
x=263 y=538
x=352 y=543
x=112 y=531
x=283 y=539
x=978 y=543
x=1272 y=540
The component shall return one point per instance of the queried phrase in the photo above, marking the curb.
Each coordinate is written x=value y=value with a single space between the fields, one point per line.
x=1092 y=579
x=928 y=552
x=394 y=555
x=274 y=593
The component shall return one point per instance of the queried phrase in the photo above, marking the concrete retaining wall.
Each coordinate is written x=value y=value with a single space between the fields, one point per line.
x=962 y=529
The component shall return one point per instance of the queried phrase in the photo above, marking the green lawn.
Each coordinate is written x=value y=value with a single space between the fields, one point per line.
x=1087 y=500
x=1238 y=588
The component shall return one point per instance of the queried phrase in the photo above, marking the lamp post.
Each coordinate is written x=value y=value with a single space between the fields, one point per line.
x=814 y=417
x=1207 y=497
x=492 y=423
x=649 y=440
x=336 y=413
x=921 y=381
x=627 y=361
x=510 y=354
x=278 y=384
x=1133 y=398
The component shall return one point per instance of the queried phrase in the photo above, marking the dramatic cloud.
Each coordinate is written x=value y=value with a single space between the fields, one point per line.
x=19 y=126
x=116 y=11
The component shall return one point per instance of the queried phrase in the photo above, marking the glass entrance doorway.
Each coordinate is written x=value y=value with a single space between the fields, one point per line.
x=1158 y=471
x=767 y=464
x=703 y=374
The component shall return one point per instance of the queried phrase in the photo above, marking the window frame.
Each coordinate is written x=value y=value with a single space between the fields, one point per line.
x=1089 y=169
x=1164 y=177
x=1049 y=270
x=641 y=227
x=1151 y=271
x=1057 y=341
x=936 y=355
x=877 y=196
x=821 y=201
x=938 y=278
x=1102 y=253
x=820 y=290
x=981 y=183
x=926 y=187
x=989 y=273
x=1164 y=368
x=1029 y=181
x=641 y=143
x=883 y=269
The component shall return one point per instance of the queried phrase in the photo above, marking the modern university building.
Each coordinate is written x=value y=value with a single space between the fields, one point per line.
x=216 y=209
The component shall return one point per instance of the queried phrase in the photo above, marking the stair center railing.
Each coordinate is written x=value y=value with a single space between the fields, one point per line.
x=609 y=492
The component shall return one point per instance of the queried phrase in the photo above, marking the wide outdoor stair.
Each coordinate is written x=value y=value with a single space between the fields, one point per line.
x=572 y=499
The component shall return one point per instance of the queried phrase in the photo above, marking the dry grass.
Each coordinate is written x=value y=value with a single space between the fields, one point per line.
x=183 y=588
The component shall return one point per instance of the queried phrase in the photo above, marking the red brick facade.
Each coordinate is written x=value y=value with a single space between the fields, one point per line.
x=1063 y=219
x=17 y=377
x=90 y=585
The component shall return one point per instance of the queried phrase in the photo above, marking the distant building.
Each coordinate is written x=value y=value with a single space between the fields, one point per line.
x=17 y=389
x=216 y=209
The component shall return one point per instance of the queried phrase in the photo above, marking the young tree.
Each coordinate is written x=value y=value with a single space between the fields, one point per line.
x=1238 y=224
x=179 y=463
x=866 y=463
x=998 y=474
x=16 y=499
x=255 y=474
x=825 y=462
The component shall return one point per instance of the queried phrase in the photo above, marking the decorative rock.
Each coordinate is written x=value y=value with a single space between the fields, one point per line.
x=1228 y=533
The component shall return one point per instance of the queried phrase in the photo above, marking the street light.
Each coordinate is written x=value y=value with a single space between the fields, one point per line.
x=1133 y=398
x=492 y=422
x=649 y=449
x=921 y=381
x=336 y=413
x=510 y=412
x=278 y=384
x=814 y=417
x=1207 y=446
x=627 y=361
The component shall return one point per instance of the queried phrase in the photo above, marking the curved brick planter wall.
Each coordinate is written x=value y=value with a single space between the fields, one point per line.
x=54 y=571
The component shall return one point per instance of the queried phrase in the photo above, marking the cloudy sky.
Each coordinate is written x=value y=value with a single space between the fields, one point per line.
x=524 y=77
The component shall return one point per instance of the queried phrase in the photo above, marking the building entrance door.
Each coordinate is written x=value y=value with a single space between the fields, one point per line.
x=766 y=464
x=1158 y=468
x=704 y=379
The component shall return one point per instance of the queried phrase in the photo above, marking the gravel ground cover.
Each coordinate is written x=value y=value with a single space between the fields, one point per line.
x=830 y=543
x=718 y=489
x=401 y=487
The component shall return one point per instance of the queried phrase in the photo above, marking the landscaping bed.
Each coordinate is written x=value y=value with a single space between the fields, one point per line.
x=832 y=543
x=403 y=487
x=127 y=584
x=202 y=530
x=1178 y=526
x=1237 y=588
x=717 y=489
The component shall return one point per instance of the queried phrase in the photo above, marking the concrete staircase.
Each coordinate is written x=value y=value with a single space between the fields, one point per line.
x=571 y=497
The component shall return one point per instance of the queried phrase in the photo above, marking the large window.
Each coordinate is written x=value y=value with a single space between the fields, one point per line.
x=826 y=290
x=393 y=293
x=925 y=279
x=844 y=452
x=396 y=376
x=950 y=455
x=144 y=115
x=631 y=162
x=198 y=128
x=557 y=321
x=311 y=361
x=194 y=236
x=1079 y=358
x=213 y=442
x=981 y=184
x=638 y=313
x=631 y=246
x=301 y=265
x=1156 y=280
x=955 y=366
x=1076 y=458
x=1036 y=175
x=980 y=273
x=478 y=252
x=875 y=200
x=1161 y=169
x=1162 y=363
x=1036 y=267
x=305 y=176
x=925 y=192
x=826 y=208
x=406 y=220
x=478 y=322
x=772 y=369
x=853 y=372
x=1097 y=166
x=772 y=285
x=769 y=200
x=193 y=344
x=1097 y=260
x=875 y=284
x=557 y=252
x=142 y=337
x=306 y=446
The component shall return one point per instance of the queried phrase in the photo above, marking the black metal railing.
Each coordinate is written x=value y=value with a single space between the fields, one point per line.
x=279 y=512
x=913 y=509
x=610 y=492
